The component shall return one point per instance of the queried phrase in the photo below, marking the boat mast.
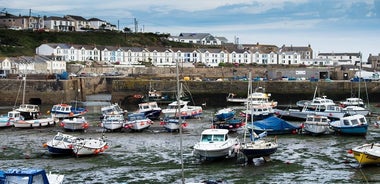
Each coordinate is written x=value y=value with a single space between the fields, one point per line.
x=249 y=92
x=23 y=91
x=180 y=122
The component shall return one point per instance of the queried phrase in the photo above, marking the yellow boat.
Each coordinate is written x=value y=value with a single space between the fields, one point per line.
x=367 y=154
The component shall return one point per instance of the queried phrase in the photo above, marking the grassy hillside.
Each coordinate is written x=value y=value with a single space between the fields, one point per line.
x=23 y=43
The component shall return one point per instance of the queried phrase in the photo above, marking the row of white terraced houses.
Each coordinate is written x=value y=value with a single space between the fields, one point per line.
x=161 y=56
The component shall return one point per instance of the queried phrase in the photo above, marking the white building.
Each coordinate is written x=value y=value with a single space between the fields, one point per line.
x=342 y=58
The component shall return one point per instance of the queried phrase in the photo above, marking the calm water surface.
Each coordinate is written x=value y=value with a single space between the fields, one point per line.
x=153 y=156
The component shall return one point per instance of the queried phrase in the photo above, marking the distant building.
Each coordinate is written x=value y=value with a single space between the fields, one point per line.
x=342 y=58
x=59 y=24
x=198 y=38
x=374 y=61
x=21 y=22
x=303 y=52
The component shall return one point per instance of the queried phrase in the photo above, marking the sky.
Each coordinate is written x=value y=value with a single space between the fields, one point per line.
x=340 y=26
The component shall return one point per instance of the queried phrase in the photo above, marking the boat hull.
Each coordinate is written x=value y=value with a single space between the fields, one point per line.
x=60 y=151
x=89 y=147
x=367 y=154
x=251 y=151
x=317 y=128
x=34 y=123
x=357 y=130
x=112 y=126
x=212 y=151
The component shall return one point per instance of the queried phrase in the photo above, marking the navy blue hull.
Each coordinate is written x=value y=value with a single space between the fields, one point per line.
x=257 y=153
x=60 y=150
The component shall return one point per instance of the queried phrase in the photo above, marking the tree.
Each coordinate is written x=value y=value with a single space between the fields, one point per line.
x=127 y=30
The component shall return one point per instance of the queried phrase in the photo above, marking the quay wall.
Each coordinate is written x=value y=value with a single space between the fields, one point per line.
x=125 y=90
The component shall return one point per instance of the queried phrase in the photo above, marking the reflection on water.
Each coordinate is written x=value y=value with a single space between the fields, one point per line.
x=152 y=156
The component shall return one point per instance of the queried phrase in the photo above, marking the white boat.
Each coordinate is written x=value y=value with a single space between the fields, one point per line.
x=150 y=109
x=112 y=109
x=367 y=154
x=137 y=122
x=257 y=97
x=186 y=111
x=215 y=144
x=29 y=176
x=321 y=106
x=76 y=123
x=353 y=125
x=353 y=101
x=61 y=144
x=7 y=120
x=34 y=123
x=315 y=124
x=356 y=110
x=113 y=121
x=173 y=124
x=61 y=111
x=258 y=112
x=29 y=111
x=89 y=146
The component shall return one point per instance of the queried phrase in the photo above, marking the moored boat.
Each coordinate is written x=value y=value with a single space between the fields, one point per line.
x=61 y=111
x=89 y=146
x=215 y=144
x=186 y=111
x=74 y=124
x=112 y=109
x=113 y=122
x=29 y=176
x=150 y=109
x=7 y=120
x=33 y=123
x=173 y=124
x=137 y=122
x=232 y=124
x=353 y=125
x=61 y=144
x=224 y=114
x=315 y=124
x=273 y=126
x=367 y=154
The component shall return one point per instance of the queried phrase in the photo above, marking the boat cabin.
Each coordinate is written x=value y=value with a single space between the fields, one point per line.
x=214 y=135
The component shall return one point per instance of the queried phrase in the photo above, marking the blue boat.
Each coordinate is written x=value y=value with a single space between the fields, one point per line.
x=61 y=144
x=67 y=111
x=353 y=125
x=231 y=124
x=273 y=126
x=29 y=176
x=224 y=114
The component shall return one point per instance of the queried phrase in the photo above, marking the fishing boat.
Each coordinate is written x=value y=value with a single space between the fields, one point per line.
x=137 y=122
x=150 y=109
x=273 y=126
x=315 y=124
x=29 y=176
x=353 y=101
x=29 y=111
x=215 y=144
x=224 y=114
x=258 y=112
x=7 y=120
x=89 y=146
x=61 y=144
x=173 y=124
x=112 y=109
x=34 y=123
x=367 y=154
x=74 y=124
x=186 y=111
x=113 y=122
x=353 y=124
x=61 y=111
x=256 y=97
x=232 y=124
x=356 y=110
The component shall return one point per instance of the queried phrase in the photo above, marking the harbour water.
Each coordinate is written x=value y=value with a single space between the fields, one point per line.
x=153 y=156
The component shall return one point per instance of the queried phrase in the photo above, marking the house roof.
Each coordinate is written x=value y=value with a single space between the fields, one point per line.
x=75 y=17
x=340 y=54
x=193 y=35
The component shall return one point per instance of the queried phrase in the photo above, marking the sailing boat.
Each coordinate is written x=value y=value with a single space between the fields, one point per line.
x=28 y=111
x=257 y=146
x=30 y=114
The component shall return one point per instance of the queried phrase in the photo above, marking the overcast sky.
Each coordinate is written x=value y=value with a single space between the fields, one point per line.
x=327 y=25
